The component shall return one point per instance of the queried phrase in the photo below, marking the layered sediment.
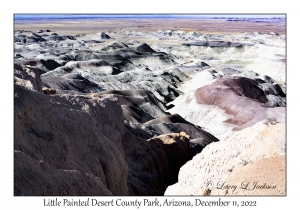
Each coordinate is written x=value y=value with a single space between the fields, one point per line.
x=148 y=112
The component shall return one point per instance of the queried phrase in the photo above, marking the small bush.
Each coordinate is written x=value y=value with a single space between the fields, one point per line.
x=271 y=121
x=244 y=162
x=206 y=192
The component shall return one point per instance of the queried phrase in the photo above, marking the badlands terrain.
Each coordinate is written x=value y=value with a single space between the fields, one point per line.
x=133 y=106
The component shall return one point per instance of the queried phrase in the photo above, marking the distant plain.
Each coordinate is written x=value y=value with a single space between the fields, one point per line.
x=210 y=26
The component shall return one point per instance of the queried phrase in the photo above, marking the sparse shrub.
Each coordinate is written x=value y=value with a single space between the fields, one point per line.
x=206 y=192
x=244 y=162
x=271 y=121
x=85 y=108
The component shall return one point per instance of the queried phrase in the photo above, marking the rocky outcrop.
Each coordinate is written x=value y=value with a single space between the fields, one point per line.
x=147 y=167
x=100 y=36
x=28 y=77
x=68 y=145
x=35 y=38
x=177 y=149
x=71 y=83
x=139 y=106
x=220 y=162
x=143 y=48
x=49 y=91
x=220 y=44
x=28 y=39
x=56 y=37
x=197 y=145
x=232 y=103
x=42 y=65
x=78 y=145
x=163 y=84
x=42 y=31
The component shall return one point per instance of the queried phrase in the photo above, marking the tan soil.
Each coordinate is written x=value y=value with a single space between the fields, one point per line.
x=210 y=26
x=266 y=176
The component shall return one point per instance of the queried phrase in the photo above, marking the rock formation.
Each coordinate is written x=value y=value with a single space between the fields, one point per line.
x=229 y=160
x=55 y=156
x=177 y=149
x=243 y=102
x=50 y=145
x=148 y=113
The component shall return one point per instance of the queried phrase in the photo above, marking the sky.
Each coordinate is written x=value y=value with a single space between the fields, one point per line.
x=60 y=16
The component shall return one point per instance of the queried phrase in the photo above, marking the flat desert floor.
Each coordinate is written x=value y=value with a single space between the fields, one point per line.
x=208 y=26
